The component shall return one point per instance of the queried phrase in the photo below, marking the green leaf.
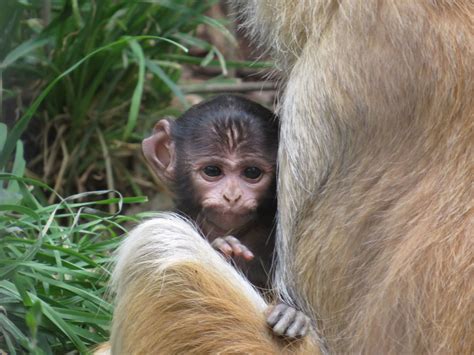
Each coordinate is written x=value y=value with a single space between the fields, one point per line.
x=21 y=284
x=137 y=94
x=20 y=209
x=19 y=163
x=18 y=168
x=218 y=25
x=155 y=69
x=8 y=197
x=7 y=326
x=3 y=134
x=56 y=319
x=33 y=318
x=85 y=294
x=221 y=59
x=22 y=50
x=84 y=317
x=67 y=251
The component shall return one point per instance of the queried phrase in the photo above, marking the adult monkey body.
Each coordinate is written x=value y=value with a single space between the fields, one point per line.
x=375 y=183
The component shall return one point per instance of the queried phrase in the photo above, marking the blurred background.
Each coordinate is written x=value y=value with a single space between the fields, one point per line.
x=82 y=82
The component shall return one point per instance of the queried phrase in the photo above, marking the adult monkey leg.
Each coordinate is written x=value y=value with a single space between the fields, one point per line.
x=375 y=185
x=176 y=295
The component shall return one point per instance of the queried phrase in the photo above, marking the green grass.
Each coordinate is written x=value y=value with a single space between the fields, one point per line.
x=54 y=263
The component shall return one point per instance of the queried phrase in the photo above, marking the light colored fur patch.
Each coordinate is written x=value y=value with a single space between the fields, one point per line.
x=176 y=295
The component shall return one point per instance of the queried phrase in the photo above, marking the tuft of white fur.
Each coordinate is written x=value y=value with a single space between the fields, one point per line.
x=157 y=244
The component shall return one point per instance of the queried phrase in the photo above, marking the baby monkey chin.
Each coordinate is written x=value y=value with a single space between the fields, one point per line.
x=224 y=222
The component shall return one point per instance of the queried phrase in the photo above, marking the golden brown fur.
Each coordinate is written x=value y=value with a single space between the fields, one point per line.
x=176 y=295
x=376 y=169
x=375 y=183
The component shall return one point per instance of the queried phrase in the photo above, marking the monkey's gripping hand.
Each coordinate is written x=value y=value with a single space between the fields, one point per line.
x=284 y=320
x=288 y=322
x=232 y=247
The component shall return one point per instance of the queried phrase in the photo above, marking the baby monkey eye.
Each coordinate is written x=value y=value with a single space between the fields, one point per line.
x=212 y=170
x=252 y=172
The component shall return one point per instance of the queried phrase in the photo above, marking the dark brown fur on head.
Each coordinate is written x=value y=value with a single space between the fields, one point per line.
x=223 y=124
x=219 y=160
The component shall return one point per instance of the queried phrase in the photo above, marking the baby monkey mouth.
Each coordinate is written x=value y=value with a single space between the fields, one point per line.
x=226 y=220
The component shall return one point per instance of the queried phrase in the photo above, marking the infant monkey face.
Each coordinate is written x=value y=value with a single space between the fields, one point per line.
x=231 y=188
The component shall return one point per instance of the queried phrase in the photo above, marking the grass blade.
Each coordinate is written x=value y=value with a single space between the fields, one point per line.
x=56 y=319
x=156 y=69
x=137 y=93
x=22 y=50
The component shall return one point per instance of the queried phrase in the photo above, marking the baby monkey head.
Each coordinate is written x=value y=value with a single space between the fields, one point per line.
x=219 y=160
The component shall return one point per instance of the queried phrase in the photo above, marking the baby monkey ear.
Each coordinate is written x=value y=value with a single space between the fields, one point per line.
x=159 y=151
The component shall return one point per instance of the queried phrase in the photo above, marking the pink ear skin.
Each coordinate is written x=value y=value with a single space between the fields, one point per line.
x=159 y=151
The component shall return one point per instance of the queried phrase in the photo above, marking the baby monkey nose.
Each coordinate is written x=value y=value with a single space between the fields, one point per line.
x=232 y=197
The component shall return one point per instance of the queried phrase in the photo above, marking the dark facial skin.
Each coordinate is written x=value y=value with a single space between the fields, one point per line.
x=219 y=160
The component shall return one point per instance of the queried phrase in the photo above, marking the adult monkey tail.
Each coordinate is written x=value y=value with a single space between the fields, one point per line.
x=176 y=295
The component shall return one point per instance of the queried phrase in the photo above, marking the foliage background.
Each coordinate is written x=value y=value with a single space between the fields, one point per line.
x=81 y=84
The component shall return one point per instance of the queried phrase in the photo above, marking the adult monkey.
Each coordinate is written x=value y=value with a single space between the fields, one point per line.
x=375 y=184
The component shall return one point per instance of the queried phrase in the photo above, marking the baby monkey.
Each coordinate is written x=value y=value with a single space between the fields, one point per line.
x=219 y=161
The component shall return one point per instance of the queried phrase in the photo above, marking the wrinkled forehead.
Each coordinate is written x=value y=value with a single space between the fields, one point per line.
x=232 y=135
x=227 y=136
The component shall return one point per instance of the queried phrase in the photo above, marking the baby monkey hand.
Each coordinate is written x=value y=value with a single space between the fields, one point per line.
x=287 y=322
x=232 y=247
